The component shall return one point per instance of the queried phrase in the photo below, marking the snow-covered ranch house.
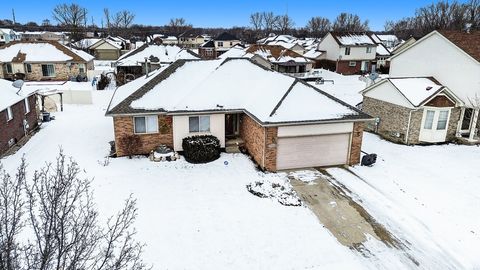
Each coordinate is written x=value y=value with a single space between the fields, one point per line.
x=42 y=60
x=279 y=58
x=283 y=122
x=433 y=92
x=348 y=53
x=18 y=114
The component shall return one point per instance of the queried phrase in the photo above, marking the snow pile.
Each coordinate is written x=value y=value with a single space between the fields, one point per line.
x=274 y=187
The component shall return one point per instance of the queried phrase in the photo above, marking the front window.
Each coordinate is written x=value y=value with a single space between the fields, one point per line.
x=347 y=51
x=9 y=68
x=220 y=44
x=352 y=64
x=28 y=68
x=48 y=70
x=146 y=124
x=442 y=120
x=429 y=119
x=81 y=68
x=369 y=49
x=199 y=124
x=9 y=114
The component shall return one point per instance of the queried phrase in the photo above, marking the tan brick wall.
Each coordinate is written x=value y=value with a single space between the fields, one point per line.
x=62 y=71
x=356 y=147
x=394 y=118
x=271 y=149
x=254 y=137
x=123 y=125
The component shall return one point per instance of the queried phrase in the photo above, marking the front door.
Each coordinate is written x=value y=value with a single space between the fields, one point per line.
x=434 y=125
x=231 y=125
x=364 y=66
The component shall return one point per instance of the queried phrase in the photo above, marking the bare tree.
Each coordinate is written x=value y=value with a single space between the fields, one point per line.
x=346 y=22
x=73 y=16
x=64 y=221
x=269 y=21
x=284 y=23
x=256 y=20
x=123 y=19
x=11 y=217
x=106 y=14
x=473 y=13
x=178 y=25
x=318 y=26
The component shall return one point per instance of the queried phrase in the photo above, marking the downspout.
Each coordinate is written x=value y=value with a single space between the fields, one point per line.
x=264 y=146
x=408 y=125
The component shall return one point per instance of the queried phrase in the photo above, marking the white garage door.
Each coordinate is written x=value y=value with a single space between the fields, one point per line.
x=312 y=151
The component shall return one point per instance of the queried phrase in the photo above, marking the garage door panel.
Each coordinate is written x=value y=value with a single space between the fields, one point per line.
x=312 y=151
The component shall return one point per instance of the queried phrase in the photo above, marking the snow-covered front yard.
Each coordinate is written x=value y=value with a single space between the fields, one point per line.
x=190 y=216
x=203 y=217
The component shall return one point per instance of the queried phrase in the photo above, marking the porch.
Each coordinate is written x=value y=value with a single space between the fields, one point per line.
x=233 y=141
x=468 y=126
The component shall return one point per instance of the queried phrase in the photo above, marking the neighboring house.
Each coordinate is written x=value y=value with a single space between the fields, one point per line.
x=403 y=45
x=284 y=122
x=18 y=115
x=105 y=49
x=153 y=55
x=85 y=43
x=8 y=35
x=382 y=59
x=42 y=60
x=299 y=46
x=213 y=48
x=432 y=94
x=43 y=36
x=279 y=58
x=389 y=41
x=348 y=53
x=191 y=41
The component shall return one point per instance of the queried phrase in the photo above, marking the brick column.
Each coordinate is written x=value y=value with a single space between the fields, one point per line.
x=356 y=147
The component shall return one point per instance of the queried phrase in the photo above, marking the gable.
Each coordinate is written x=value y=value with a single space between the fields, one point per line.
x=105 y=46
x=440 y=101
x=386 y=91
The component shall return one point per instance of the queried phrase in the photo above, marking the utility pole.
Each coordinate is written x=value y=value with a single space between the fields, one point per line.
x=13 y=16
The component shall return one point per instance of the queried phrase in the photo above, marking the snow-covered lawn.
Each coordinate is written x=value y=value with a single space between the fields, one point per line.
x=190 y=216
x=427 y=195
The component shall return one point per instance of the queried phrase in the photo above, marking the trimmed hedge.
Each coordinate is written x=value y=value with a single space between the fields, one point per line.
x=201 y=149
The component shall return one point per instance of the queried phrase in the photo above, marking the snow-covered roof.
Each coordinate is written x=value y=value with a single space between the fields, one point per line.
x=221 y=85
x=391 y=38
x=38 y=51
x=85 y=43
x=416 y=90
x=382 y=50
x=277 y=38
x=313 y=54
x=234 y=52
x=9 y=96
x=84 y=55
x=113 y=43
x=164 y=54
x=353 y=39
x=275 y=54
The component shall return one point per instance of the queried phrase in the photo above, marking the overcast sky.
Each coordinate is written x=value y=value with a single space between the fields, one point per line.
x=227 y=13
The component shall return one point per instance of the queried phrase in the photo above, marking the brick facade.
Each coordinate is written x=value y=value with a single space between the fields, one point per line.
x=393 y=123
x=356 y=146
x=13 y=129
x=63 y=71
x=343 y=67
x=123 y=125
x=260 y=142
x=207 y=53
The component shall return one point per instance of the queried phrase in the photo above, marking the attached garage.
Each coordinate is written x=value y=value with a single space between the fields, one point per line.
x=313 y=145
x=107 y=54
x=105 y=50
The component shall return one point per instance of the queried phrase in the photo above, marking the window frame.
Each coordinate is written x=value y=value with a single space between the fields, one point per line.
x=199 y=117
x=220 y=44
x=54 y=71
x=352 y=65
x=348 y=50
x=28 y=68
x=7 y=67
x=26 y=104
x=444 y=122
x=431 y=122
x=146 y=125
x=9 y=114
x=369 y=49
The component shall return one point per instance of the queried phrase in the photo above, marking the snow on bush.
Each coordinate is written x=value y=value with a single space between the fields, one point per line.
x=276 y=188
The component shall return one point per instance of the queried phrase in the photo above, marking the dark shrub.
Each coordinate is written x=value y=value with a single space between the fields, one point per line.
x=201 y=149
x=103 y=82
x=130 y=144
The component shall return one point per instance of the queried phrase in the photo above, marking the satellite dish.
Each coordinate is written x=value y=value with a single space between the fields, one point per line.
x=18 y=84
x=374 y=76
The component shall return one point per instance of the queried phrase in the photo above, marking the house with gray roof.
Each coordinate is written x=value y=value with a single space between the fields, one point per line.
x=282 y=122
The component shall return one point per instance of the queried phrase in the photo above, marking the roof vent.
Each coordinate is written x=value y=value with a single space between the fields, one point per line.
x=429 y=88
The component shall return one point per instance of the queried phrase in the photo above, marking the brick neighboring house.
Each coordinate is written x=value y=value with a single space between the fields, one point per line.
x=279 y=58
x=432 y=91
x=348 y=53
x=213 y=48
x=18 y=115
x=42 y=61
x=283 y=122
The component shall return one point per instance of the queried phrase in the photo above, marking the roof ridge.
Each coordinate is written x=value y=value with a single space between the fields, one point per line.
x=283 y=97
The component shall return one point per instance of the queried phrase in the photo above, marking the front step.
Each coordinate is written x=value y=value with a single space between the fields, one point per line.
x=234 y=142
x=232 y=149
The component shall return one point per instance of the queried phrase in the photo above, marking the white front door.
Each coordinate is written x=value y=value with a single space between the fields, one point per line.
x=364 y=65
x=434 y=125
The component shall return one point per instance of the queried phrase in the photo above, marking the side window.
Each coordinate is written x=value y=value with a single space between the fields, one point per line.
x=347 y=50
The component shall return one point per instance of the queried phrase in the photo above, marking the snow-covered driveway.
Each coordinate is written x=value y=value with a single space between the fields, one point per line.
x=426 y=195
